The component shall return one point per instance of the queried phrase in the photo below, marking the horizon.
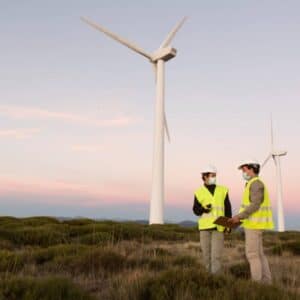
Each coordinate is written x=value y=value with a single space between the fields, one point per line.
x=77 y=109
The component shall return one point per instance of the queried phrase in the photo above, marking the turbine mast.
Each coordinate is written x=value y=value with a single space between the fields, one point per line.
x=280 y=214
x=157 y=194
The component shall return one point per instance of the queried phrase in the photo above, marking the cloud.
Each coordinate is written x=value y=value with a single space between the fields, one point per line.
x=70 y=193
x=86 y=148
x=20 y=112
x=19 y=133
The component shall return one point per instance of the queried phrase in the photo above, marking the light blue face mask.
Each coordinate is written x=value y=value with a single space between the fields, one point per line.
x=246 y=176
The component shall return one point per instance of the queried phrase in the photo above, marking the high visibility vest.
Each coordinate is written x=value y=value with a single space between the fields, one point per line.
x=204 y=197
x=263 y=217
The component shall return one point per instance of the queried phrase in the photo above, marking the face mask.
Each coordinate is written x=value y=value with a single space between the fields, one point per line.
x=246 y=176
x=212 y=180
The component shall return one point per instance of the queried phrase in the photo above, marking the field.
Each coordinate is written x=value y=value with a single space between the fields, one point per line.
x=44 y=258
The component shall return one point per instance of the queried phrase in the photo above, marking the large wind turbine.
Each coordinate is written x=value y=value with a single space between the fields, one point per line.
x=157 y=59
x=276 y=155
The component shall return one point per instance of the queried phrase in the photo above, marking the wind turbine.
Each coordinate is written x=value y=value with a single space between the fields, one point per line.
x=157 y=59
x=276 y=155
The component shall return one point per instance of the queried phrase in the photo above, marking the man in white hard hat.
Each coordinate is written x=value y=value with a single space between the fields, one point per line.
x=256 y=216
x=210 y=202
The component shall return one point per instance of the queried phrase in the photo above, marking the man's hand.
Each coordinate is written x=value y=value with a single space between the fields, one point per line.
x=207 y=209
x=227 y=230
x=234 y=220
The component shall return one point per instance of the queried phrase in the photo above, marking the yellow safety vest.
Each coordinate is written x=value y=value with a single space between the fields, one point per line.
x=263 y=217
x=204 y=197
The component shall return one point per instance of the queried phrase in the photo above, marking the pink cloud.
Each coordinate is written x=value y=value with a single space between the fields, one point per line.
x=19 y=133
x=20 y=112
x=92 y=195
x=86 y=148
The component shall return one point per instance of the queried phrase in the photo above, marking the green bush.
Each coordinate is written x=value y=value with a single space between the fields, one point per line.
x=43 y=236
x=97 y=238
x=79 y=222
x=276 y=250
x=241 y=270
x=193 y=283
x=93 y=261
x=38 y=221
x=293 y=247
x=41 y=256
x=185 y=261
x=41 y=289
x=10 y=262
x=157 y=251
x=289 y=235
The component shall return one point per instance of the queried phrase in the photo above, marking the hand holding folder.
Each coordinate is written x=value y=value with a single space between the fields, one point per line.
x=224 y=221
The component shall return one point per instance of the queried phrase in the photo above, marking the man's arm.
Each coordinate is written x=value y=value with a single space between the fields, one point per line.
x=197 y=207
x=256 y=199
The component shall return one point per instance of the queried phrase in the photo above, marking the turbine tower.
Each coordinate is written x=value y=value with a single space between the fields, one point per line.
x=157 y=59
x=276 y=155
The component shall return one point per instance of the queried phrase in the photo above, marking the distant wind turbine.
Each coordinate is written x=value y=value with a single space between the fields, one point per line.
x=157 y=59
x=276 y=155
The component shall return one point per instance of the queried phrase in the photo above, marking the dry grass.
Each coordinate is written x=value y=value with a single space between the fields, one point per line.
x=109 y=260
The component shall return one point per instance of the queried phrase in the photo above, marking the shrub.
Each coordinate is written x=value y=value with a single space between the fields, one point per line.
x=41 y=289
x=293 y=247
x=193 y=283
x=10 y=262
x=185 y=261
x=95 y=238
x=41 y=256
x=93 y=261
x=79 y=221
x=241 y=270
x=38 y=221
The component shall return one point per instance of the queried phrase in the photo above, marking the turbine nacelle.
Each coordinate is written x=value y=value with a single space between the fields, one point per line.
x=279 y=153
x=164 y=54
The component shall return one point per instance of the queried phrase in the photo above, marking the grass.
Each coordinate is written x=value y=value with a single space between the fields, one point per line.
x=43 y=258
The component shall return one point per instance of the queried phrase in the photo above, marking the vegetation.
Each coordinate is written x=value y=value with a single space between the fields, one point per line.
x=44 y=258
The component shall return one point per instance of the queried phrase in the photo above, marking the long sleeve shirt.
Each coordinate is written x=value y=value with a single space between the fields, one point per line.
x=256 y=199
x=198 y=209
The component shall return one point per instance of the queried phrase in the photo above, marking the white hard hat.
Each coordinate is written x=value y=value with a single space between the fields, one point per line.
x=209 y=169
x=250 y=161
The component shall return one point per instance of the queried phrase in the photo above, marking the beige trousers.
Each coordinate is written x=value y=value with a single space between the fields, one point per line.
x=259 y=266
x=212 y=244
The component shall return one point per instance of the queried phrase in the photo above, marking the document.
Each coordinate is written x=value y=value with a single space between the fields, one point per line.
x=223 y=221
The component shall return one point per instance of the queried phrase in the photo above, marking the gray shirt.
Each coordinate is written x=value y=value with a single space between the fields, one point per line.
x=256 y=199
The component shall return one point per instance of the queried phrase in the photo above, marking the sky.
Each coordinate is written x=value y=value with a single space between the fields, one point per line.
x=77 y=108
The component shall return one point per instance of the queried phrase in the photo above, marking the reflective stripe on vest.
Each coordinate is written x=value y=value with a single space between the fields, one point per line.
x=204 y=197
x=263 y=217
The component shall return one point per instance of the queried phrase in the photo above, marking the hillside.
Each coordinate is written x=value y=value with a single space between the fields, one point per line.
x=45 y=258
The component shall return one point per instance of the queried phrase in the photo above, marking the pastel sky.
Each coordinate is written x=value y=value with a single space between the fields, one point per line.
x=77 y=109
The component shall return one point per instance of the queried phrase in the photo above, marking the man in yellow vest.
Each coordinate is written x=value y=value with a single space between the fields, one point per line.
x=256 y=216
x=210 y=202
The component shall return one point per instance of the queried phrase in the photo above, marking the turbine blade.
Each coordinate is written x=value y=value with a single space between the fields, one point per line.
x=266 y=160
x=117 y=38
x=167 y=128
x=172 y=33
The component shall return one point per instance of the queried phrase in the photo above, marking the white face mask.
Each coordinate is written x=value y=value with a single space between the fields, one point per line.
x=212 y=180
x=246 y=176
